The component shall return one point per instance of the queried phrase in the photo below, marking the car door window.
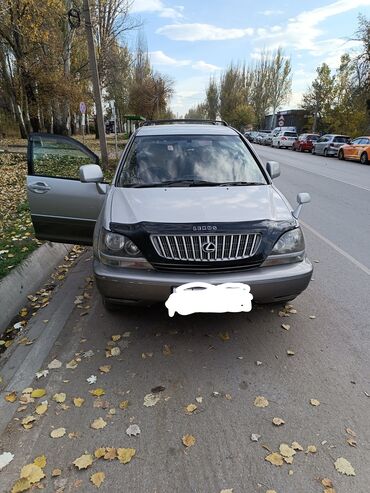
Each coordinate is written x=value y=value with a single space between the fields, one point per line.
x=57 y=156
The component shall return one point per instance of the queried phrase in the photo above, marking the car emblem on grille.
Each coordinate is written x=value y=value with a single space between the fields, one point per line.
x=209 y=247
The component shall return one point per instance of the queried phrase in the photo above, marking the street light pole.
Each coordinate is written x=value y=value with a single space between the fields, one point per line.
x=96 y=83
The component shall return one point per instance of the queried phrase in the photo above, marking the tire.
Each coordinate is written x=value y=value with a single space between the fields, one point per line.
x=325 y=152
x=341 y=155
x=313 y=151
x=364 y=158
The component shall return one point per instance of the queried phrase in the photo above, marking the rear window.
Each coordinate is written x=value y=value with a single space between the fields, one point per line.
x=312 y=137
x=341 y=139
x=290 y=134
x=155 y=159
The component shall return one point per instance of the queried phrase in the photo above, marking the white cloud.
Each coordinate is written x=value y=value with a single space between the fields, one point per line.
x=140 y=6
x=271 y=12
x=188 y=93
x=205 y=67
x=301 y=32
x=202 y=32
x=160 y=58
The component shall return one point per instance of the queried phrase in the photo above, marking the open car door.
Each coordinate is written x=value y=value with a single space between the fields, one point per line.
x=63 y=209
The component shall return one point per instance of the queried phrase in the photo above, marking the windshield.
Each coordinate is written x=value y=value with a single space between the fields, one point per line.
x=187 y=160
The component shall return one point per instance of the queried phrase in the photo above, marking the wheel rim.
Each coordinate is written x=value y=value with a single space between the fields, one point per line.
x=341 y=156
x=363 y=159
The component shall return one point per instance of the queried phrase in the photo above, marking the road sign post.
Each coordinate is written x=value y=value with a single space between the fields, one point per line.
x=83 y=119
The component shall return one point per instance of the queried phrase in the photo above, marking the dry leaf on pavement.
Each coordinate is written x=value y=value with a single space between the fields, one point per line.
x=311 y=449
x=123 y=405
x=285 y=326
x=328 y=483
x=41 y=408
x=98 y=424
x=53 y=365
x=97 y=392
x=255 y=437
x=71 y=365
x=84 y=461
x=115 y=351
x=58 y=433
x=61 y=397
x=33 y=473
x=40 y=461
x=166 y=350
x=36 y=393
x=278 y=421
x=105 y=368
x=188 y=440
x=190 y=408
x=352 y=441
x=224 y=336
x=97 y=479
x=11 y=397
x=286 y=451
x=344 y=467
x=125 y=455
x=314 y=402
x=116 y=338
x=275 y=458
x=297 y=446
x=133 y=430
x=110 y=453
x=261 y=401
x=151 y=400
x=56 y=472
x=78 y=401
x=20 y=485
x=91 y=379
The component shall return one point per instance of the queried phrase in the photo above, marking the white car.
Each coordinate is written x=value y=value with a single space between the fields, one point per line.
x=284 y=139
x=202 y=297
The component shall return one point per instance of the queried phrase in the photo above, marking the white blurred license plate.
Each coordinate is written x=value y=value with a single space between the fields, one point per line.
x=201 y=297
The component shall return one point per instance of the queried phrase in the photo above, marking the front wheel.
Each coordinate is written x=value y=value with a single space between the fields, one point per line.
x=341 y=155
x=325 y=152
x=364 y=159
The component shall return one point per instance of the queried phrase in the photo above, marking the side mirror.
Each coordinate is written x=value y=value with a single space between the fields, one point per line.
x=91 y=173
x=302 y=198
x=273 y=169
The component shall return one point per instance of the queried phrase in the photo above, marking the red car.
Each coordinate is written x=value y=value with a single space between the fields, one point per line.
x=304 y=142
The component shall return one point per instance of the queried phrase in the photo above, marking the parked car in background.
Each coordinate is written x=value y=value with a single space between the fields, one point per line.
x=248 y=135
x=285 y=138
x=305 y=142
x=358 y=150
x=267 y=139
x=253 y=136
x=261 y=136
x=329 y=144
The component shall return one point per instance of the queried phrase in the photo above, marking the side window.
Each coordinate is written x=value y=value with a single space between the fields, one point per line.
x=357 y=141
x=57 y=156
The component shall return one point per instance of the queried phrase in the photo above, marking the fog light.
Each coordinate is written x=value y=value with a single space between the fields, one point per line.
x=131 y=248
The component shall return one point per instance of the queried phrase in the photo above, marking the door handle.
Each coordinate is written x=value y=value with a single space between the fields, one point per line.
x=39 y=187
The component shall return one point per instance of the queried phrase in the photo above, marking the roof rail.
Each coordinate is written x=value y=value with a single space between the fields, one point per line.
x=184 y=120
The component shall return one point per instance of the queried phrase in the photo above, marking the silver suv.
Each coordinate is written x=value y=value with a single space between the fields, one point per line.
x=188 y=202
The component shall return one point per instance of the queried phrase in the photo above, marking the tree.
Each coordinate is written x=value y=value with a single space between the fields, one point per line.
x=242 y=116
x=231 y=91
x=319 y=99
x=212 y=98
x=280 y=81
x=199 y=112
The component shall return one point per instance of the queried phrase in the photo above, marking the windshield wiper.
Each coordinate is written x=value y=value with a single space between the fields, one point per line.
x=170 y=183
x=240 y=183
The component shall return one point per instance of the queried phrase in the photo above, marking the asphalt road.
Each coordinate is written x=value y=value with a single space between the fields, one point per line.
x=199 y=355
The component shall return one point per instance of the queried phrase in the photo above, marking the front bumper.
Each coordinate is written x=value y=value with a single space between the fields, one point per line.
x=332 y=151
x=268 y=284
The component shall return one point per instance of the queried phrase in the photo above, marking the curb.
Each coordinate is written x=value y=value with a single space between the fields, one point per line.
x=27 y=278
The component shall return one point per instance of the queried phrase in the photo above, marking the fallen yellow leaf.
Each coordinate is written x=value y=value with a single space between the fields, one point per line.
x=328 y=483
x=286 y=451
x=278 y=421
x=314 y=402
x=97 y=392
x=297 y=446
x=191 y=408
x=116 y=338
x=11 y=397
x=84 y=461
x=40 y=461
x=59 y=397
x=78 y=401
x=99 y=452
x=166 y=350
x=38 y=393
x=224 y=336
x=311 y=449
x=123 y=405
x=188 y=440
x=56 y=472
x=110 y=453
x=98 y=424
x=261 y=401
x=26 y=421
x=33 y=473
x=41 y=408
x=125 y=454
x=20 y=485
x=275 y=458
x=97 y=479
x=105 y=368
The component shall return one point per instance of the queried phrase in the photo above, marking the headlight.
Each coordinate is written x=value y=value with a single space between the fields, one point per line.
x=288 y=249
x=290 y=242
x=118 y=250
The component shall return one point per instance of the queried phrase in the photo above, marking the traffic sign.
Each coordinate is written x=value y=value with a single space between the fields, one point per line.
x=281 y=121
x=83 y=107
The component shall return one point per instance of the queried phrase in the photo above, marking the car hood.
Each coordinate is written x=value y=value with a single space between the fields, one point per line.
x=198 y=204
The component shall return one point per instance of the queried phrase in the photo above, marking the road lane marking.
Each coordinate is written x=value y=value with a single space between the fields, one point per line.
x=337 y=249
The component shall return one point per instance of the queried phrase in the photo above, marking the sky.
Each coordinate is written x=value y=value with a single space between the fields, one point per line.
x=192 y=40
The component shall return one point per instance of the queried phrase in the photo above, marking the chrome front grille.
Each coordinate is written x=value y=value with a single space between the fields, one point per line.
x=206 y=248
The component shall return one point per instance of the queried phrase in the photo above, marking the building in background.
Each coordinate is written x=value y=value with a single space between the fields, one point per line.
x=290 y=118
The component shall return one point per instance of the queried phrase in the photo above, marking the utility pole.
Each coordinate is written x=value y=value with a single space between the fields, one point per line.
x=96 y=83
